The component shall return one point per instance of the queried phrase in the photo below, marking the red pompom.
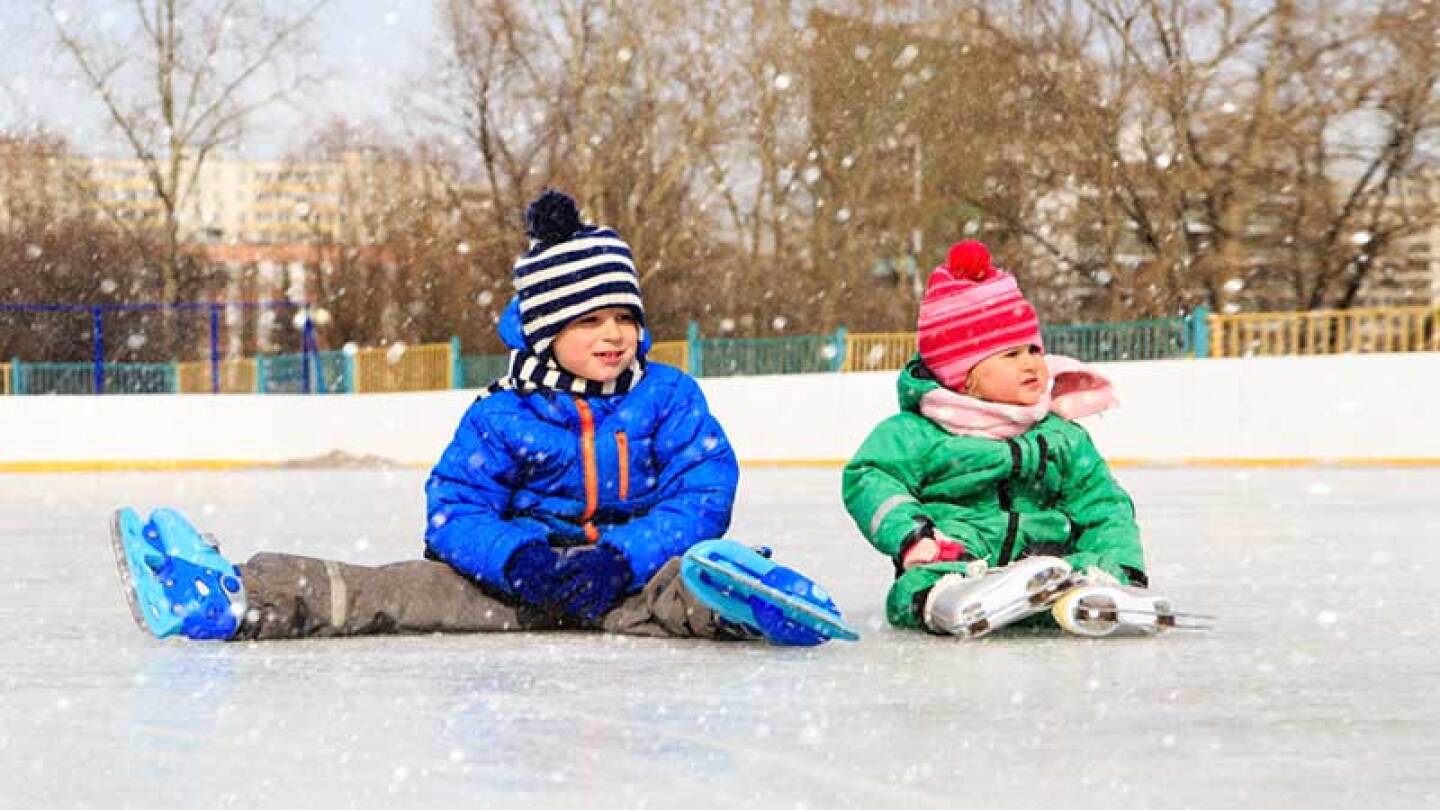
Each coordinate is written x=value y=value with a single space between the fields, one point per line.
x=970 y=260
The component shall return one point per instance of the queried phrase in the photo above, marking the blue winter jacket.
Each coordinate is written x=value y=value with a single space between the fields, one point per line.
x=649 y=473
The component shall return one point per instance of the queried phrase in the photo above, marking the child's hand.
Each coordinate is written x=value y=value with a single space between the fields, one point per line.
x=532 y=573
x=930 y=545
x=591 y=582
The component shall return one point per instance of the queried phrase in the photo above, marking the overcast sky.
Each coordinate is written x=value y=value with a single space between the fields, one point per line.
x=368 y=47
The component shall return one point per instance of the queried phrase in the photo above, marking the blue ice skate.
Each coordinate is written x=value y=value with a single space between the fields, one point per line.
x=176 y=580
x=746 y=588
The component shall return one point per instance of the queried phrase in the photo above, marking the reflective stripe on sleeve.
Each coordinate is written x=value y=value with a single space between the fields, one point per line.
x=885 y=509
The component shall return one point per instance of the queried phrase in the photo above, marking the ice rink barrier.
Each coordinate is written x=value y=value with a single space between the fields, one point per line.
x=1343 y=409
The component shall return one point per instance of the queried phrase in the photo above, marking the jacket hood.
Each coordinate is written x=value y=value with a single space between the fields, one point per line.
x=914 y=382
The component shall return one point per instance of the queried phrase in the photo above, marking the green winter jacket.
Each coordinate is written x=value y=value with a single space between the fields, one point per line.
x=1047 y=491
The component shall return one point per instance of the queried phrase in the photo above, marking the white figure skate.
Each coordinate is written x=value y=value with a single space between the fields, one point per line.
x=972 y=607
x=1098 y=610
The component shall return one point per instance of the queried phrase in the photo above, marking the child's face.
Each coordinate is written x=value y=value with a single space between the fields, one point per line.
x=1017 y=376
x=599 y=345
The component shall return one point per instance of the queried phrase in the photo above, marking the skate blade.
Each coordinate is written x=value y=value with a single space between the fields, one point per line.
x=122 y=563
x=806 y=614
x=131 y=574
x=1172 y=620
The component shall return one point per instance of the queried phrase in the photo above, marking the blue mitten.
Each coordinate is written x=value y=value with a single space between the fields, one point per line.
x=533 y=574
x=592 y=582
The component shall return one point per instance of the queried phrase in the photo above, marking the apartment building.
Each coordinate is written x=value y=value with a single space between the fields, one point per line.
x=246 y=202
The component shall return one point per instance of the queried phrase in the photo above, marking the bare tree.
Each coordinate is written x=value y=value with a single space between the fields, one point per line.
x=400 y=243
x=1221 y=152
x=180 y=82
x=607 y=100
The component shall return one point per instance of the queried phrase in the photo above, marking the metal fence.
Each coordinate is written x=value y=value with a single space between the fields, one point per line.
x=1095 y=343
x=79 y=378
x=1334 y=331
x=1155 y=339
x=671 y=352
x=729 y=357
x=111 y=329
x=405 y=368
x=478 y=371
x=440 y=366
x=304 y=373
x=236 y=377
x=878 y=351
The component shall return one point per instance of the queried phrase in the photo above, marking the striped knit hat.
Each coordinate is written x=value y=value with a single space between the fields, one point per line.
x=570 y=270
x=971 y=310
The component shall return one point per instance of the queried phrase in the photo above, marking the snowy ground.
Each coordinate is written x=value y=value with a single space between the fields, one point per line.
x=1317 y=689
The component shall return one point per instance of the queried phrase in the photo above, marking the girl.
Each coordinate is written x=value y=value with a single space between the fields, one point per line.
x=993 y=504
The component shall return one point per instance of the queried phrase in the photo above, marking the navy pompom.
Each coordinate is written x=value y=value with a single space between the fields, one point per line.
x=552 y=217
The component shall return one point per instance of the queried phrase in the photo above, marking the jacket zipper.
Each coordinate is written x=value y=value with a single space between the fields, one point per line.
x=622 y=453
x=592 y=478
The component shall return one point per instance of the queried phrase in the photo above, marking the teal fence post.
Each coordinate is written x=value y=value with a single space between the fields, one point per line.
x=457 y=368
x=1200 y=331
x=17 y=377
x=172 y=372
x=262 y=371
x=693 y=350
x=348 y=382
x=840 y=342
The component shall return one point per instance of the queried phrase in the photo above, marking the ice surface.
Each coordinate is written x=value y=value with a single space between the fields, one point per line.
x=1317 y=689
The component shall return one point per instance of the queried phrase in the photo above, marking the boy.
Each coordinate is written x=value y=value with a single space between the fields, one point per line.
x=572 y=488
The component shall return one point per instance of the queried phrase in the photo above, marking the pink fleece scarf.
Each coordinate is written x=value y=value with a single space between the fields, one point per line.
x=1076 y=391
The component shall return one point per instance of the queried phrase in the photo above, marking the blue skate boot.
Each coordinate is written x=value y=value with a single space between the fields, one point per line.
x=176 y=580
x=744 y=587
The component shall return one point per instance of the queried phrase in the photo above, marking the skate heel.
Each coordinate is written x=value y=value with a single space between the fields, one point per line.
x=975 y=607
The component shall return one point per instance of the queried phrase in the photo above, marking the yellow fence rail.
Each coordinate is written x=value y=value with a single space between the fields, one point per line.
x=5 y=379
x=426 y=367
x=672 y=353
x=236 y=377
x=1333 y=331
x=878 y=351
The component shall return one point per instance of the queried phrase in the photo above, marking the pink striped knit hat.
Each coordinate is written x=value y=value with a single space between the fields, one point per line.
x=972 y=310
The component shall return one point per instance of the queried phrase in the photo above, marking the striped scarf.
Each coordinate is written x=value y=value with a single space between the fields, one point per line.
x=530 y=372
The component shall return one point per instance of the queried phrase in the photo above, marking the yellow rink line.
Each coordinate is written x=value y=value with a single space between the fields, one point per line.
x=1312 y=461
x=212 y=465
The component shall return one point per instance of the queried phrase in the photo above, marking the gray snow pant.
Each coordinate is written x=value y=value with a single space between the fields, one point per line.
x=290 y=596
